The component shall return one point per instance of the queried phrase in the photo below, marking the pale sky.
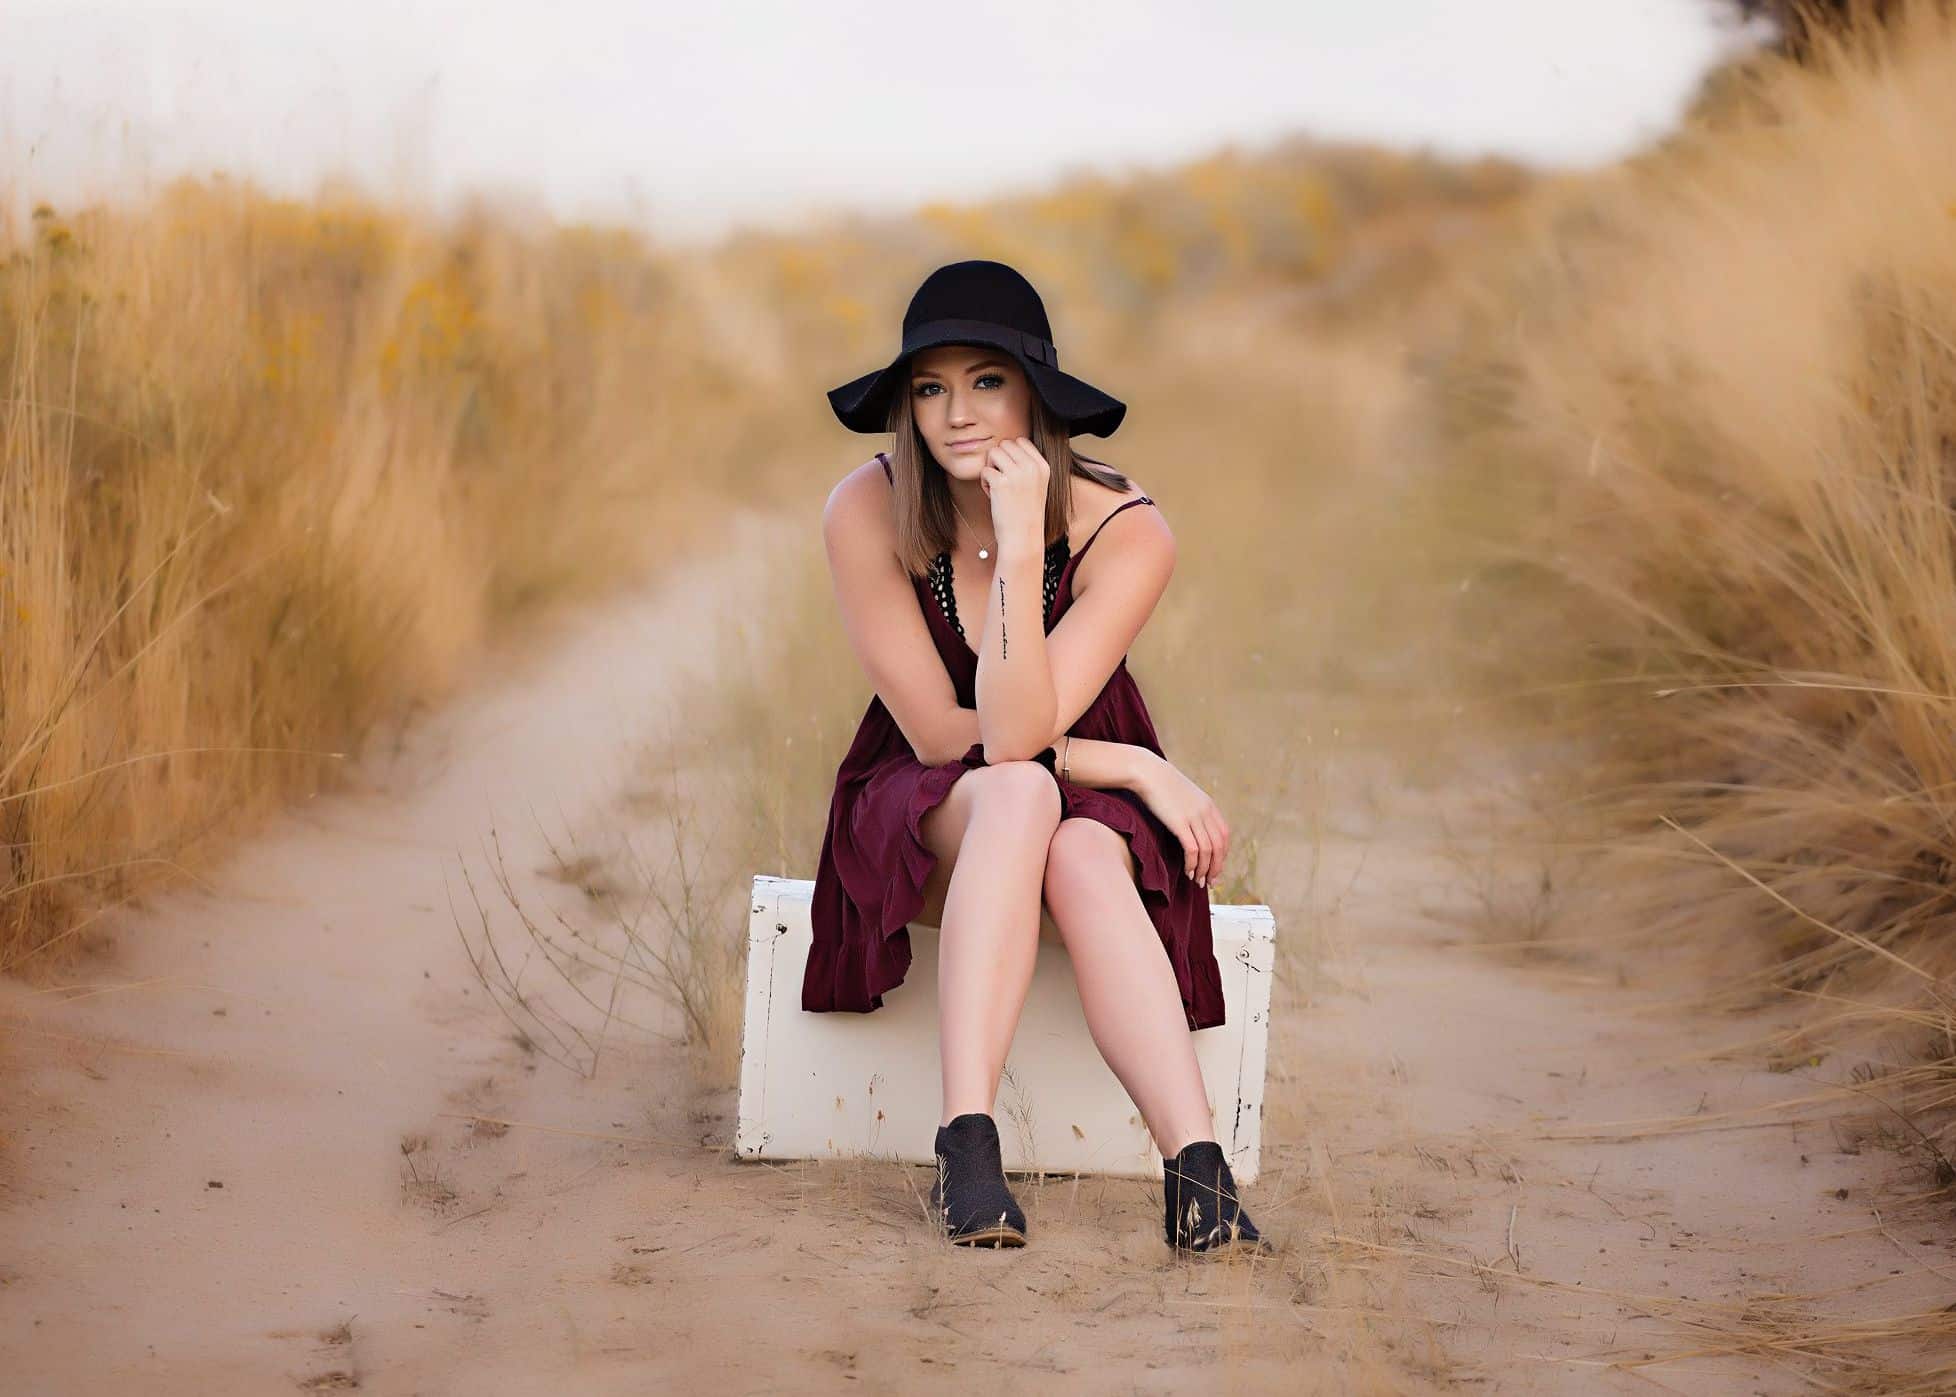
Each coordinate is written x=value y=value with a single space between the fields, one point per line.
x=690 y=117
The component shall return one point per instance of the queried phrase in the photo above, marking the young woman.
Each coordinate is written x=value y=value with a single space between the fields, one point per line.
x=1007 y=759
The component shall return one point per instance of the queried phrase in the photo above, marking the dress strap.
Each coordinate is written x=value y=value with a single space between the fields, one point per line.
x=886 y=467
x=1103 y=524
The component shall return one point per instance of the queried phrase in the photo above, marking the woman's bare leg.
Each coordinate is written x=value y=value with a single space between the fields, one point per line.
x=1127 y=986
x=991 y=834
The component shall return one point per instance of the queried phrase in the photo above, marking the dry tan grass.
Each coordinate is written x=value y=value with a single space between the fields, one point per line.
x=270 y=475
x=1716 y=411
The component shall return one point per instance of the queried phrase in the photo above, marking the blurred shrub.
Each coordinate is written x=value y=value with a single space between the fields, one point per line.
x=271 y=471
x=1712 y=418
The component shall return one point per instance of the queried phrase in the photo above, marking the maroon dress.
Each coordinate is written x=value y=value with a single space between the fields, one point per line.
x=869 y=882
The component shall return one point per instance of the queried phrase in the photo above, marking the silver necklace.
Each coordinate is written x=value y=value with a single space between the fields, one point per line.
x=983 y=552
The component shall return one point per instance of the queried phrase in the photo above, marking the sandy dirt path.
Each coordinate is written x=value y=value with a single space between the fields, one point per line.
x=246 y=1162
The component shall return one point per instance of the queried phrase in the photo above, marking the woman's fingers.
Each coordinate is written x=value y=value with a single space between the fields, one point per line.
x=1205 y=844
x=1005 y=456
x=1199 y=848
x=1010 y=455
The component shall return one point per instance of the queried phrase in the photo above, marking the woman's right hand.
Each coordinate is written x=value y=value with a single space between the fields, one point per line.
x=1015 y=477
x=1190 y=816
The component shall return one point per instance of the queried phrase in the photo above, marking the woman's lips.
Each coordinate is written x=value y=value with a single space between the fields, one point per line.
x=967 y=445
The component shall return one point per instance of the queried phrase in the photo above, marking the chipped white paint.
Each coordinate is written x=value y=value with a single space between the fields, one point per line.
x=839 y=1084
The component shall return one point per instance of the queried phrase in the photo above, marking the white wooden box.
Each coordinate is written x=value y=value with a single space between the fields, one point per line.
x=838 y=1084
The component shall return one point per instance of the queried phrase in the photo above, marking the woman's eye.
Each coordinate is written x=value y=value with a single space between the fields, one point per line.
x=998 y=380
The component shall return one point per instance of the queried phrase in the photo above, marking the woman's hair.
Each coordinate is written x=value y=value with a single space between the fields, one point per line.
x=926 y=520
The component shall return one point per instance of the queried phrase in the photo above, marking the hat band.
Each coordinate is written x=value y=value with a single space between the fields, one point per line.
x=1040 y=351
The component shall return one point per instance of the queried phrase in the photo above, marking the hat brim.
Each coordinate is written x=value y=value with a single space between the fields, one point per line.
x=863 y=404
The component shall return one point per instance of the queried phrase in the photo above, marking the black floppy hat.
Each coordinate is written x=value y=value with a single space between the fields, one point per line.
x=980 y=302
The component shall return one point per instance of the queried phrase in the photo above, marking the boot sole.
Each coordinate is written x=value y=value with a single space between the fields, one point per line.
x=1236 y=1247
x=991 y=1237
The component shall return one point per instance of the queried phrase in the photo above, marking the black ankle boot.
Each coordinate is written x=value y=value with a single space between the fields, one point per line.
x=1200 y=1211
x=969 y=1198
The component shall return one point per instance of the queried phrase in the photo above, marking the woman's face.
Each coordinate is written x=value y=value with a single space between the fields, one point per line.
x=965 y=397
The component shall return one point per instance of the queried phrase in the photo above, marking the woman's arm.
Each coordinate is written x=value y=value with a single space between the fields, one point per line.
x=1106 y=765
x=884 y=626
x=1016 y=705
x=1114 y=594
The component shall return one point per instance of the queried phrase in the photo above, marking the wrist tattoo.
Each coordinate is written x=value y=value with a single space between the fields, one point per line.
x=1001 y=618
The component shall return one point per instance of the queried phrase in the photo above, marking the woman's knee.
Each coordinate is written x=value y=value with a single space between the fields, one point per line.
x=1083 y=850
x=1025 y=791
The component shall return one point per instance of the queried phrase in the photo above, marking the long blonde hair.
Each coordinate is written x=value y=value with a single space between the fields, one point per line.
x=926 y=520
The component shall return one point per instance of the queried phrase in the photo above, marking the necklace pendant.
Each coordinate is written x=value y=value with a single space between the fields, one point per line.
x=984 y=553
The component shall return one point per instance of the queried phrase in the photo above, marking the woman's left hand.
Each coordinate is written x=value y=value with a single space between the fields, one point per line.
x=1191 y=816
x=1015 y=478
